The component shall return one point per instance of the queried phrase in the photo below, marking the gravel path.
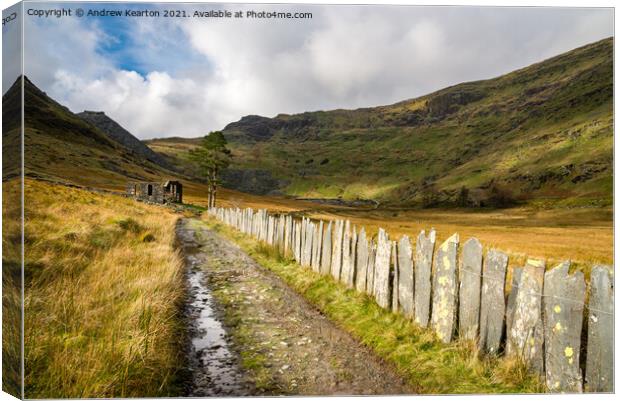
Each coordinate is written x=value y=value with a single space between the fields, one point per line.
x=289 y=347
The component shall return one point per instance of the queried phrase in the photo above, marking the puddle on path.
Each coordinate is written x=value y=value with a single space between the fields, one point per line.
x=215 y=370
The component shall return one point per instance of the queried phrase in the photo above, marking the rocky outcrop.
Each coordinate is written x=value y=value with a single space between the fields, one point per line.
x=447 y=102
x=119 y=134
x=253 y=128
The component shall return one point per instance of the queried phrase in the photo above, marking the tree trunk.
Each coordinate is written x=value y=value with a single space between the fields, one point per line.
x=209 y=195
x=214 y=187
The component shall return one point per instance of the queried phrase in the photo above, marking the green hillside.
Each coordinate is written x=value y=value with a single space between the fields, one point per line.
x=540 y=134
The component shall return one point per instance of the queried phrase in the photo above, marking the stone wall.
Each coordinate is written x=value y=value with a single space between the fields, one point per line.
x=146 y=191
x=153 y=192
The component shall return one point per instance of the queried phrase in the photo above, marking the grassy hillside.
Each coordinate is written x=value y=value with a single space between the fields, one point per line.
x=59 y=146
x=62 y=147
x=542 y=133
x=103 y=289
x=175 y=151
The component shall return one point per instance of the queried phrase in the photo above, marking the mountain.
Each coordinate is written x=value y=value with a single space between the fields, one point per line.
x=60 y=146
x=119 y=134
x=543 y=133
x=11 y=123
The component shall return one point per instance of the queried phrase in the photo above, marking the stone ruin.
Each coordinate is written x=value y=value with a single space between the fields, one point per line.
x=156 y=192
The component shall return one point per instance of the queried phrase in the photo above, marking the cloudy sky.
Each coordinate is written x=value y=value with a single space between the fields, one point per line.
x=186 y=77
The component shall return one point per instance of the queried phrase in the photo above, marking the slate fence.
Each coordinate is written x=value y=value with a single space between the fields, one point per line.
x=459 y=292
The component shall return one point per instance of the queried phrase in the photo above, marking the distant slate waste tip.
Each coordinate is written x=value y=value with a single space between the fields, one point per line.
x=156 y=192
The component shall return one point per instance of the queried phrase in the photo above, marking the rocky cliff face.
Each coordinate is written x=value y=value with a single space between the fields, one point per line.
x=254 y=128
x=119 y=134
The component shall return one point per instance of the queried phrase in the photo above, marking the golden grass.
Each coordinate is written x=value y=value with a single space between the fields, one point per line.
x=583 y=235
x=11 y=288
x=196 y=194
x=104 y=287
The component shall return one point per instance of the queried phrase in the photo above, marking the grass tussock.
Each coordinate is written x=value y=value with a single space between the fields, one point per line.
x=103 y=292
x=430 y=366
x=11 y=288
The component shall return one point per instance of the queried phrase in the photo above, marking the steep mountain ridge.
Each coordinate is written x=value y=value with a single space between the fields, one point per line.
x=60 y=146
x=119 y=134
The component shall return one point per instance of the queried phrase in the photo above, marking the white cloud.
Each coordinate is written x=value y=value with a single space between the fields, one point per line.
x=63 y=45
x=203 y=74
x=151 y=106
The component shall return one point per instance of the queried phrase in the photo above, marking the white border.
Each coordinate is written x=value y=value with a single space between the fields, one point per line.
x=484 y=3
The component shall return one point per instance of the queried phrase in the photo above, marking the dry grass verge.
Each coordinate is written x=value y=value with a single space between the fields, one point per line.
x=103 y=290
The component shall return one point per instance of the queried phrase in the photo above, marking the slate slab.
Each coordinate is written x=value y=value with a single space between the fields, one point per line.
x=361 y=261
x=326 y=256
x=492 y=302
x=337 y=249
x=445 y=290
x=382 y=270
x=470 y=275
x=525 y=339
x=405 y=276
x=600 y=355
x=563 y=303
x=422 y=282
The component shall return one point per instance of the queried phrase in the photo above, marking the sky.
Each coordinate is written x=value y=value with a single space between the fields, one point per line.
x=162 y=77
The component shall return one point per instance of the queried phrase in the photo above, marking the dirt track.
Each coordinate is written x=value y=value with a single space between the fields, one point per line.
x=291 y=347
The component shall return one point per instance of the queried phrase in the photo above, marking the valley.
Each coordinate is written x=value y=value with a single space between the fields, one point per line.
x=523 y=162
x=541 y=135
x=569 y=215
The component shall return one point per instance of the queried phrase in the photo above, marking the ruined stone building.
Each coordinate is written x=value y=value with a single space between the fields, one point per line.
x=156 y=192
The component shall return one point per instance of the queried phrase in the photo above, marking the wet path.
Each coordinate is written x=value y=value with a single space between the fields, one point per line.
x=293 y=348
x=215 y=369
